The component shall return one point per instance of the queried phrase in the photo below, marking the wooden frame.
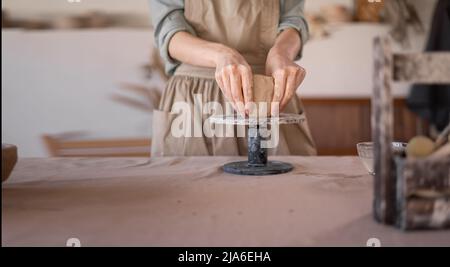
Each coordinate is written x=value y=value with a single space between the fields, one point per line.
x=393 y=202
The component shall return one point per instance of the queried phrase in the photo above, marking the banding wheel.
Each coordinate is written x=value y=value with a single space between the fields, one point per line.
x=257 y=163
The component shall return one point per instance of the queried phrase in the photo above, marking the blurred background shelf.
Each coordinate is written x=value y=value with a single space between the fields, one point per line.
x=78 y=145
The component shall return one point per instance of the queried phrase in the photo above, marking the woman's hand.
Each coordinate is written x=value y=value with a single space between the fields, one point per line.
x=287 y=77
x=234 y=77
x=233 y=74
x=286 y=73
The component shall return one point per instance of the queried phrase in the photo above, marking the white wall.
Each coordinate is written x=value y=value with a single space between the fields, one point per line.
x=39 y=8
x=315 y=5
x=58 y=81
x=341 y=65
x=36 y=7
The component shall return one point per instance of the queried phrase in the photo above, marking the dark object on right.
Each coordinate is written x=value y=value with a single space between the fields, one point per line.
x=432 y=101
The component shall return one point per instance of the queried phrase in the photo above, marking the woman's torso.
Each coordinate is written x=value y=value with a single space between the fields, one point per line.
x=249 y=26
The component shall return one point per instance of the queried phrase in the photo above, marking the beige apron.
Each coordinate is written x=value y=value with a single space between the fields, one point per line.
x=250 y=27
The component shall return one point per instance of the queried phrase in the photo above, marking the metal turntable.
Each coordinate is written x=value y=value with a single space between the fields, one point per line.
x=257 y=163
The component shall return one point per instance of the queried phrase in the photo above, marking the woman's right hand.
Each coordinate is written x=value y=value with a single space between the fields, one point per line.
x=233 y=74
x=235 y=79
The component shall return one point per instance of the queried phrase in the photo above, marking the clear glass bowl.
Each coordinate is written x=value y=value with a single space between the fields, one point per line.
x=365 y=153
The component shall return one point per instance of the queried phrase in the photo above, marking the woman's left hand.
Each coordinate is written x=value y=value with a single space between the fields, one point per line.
x=287 y=77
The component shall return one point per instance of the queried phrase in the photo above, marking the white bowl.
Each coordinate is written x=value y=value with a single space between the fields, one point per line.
x=365 y=153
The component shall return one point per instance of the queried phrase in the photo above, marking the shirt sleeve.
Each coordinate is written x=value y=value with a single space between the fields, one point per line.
x=292 y=16
x=168 y=18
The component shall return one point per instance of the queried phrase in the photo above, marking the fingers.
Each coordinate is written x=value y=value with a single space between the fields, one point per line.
x=289 y=91
x=279 y=88
x=236 y=83
x=286 y=82
x=219 y=80
x=236 y=88
x=247 y=87
x=226 y=89
x=294 y=79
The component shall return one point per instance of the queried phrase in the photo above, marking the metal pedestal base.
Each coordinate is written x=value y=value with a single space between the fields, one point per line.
x=257 y=163
x=271 y=167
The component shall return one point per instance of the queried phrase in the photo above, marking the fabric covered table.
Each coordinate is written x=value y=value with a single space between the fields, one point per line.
x=191 y=202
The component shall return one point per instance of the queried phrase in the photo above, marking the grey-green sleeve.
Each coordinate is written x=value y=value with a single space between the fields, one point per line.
x=292 y=16
x=168 y=18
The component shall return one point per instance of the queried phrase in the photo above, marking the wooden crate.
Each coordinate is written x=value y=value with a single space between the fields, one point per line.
x=422 y=193
x=397 y=181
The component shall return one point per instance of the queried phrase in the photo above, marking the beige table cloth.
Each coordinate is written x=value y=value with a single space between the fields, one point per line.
x=190 y=201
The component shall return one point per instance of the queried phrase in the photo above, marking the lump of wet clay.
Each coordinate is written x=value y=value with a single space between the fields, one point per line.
x=263 y=88
x=419 y=146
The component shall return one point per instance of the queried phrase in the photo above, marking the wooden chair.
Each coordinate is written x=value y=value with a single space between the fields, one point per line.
x=397 y=180
x=71 y=145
